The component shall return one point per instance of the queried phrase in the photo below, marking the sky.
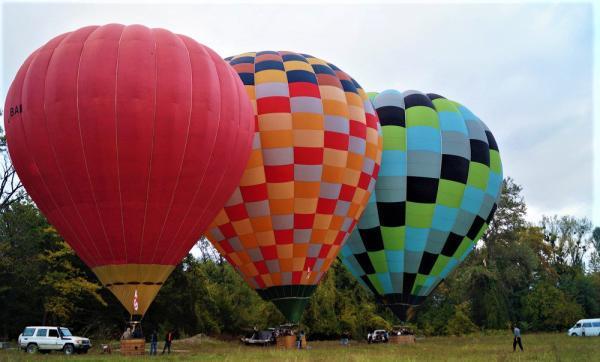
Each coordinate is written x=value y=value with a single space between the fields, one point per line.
x=526 y=69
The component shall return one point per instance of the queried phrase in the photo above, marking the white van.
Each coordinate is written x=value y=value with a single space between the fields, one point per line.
x=585 y=327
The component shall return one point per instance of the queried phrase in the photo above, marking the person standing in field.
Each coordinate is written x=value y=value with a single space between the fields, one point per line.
x=153 y=342
x=299 y=339
x=168 y=340
x=517 y=338
x=345 y=338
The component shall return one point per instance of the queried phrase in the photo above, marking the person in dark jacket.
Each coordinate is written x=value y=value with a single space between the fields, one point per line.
x=137 y=331
x=345 y=338
x=153 y=342
x=299 y=339
x=168 y=339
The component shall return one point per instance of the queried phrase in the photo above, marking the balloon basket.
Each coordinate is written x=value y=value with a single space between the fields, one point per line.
x=289 y=342
x=408 y=339
x=133 y=347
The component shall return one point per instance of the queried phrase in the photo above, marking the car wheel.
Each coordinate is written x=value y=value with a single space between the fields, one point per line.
x=573 y=334
x=32 y=348
x=68 y=349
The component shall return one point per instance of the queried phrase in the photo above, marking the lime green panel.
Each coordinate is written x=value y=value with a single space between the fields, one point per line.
x=495 y=163
x=421 y=116
x=419 y=215
x=456 y=104
x=378 y=261
x=444 y=105
x=419 y=281
x=376 y=283
x=479 y=175
x=450 y=193
x=464 y=245
x=439 y=265
x=394 y=138
x=393 y=237
x=372 y=95
x=481 y=231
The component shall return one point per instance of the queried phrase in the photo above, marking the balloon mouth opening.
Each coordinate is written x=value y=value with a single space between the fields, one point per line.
x=404 y=312
x=134 y=285
x=290 y=300
x=402 y=305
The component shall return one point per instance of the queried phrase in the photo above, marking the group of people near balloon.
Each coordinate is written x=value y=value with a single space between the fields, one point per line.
x=136 y=142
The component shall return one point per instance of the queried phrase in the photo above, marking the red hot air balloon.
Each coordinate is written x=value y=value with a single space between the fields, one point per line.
x=129 y=140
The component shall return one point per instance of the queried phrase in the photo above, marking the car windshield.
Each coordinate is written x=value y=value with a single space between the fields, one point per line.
x=264 y=335
x=65 y=332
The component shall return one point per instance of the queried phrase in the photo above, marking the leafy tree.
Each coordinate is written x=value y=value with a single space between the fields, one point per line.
x=433 y=316
x=595 y=255
x=52 y=286
x=460 y=323
x=508 y=219
x=547 y=308
x=569 y=238
x=533 y=274
x=64 y=287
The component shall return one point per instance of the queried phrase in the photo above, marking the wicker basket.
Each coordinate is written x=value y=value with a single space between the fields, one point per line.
x=289 y=342
x=133 y=347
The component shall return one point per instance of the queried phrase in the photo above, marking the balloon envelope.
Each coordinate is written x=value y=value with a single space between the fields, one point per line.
x=129 y=140
x=439 y=181
x=314 y=161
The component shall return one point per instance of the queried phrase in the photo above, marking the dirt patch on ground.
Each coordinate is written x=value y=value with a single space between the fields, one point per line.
x=199 y=339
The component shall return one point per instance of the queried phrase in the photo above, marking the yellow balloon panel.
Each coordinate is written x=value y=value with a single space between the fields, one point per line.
x=124 y=280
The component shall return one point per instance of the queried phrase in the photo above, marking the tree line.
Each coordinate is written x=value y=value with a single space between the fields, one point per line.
x=544 y=276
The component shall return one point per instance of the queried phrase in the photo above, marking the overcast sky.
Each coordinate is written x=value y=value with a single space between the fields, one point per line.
x=525 y=69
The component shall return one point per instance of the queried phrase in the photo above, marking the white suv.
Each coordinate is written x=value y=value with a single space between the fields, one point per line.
x=46 y=339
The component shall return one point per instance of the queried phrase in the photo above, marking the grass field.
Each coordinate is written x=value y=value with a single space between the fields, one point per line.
x=538 y=347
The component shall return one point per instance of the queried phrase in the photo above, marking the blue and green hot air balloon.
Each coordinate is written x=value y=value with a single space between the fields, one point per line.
x=438 y=185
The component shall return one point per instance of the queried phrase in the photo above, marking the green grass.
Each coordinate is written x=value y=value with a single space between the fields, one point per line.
x=497 y=347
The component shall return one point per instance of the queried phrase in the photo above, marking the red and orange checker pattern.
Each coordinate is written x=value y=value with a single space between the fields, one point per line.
x=314 y=162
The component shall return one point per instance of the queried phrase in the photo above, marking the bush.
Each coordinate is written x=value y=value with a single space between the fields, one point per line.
x=548 y=308
x=461 y=323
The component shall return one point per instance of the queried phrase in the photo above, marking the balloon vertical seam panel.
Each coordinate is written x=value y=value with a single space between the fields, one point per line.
x=63 y=145
x=449 y=210
x=316 y=155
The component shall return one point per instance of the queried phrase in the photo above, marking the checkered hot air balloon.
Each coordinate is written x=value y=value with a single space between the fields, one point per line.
x=436 y=194
x=315 y=157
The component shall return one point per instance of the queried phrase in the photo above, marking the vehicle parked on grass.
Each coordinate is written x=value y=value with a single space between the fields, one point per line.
x=260 y=338
x=378 y=336
x=401 y=331
x=585 y=328
x=47 y=339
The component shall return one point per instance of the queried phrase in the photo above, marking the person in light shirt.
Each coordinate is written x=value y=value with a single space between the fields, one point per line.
x=517 y=338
